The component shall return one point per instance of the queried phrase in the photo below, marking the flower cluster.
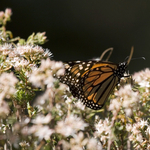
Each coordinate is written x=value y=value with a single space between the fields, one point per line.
x=7 y=89
x=139 y=133
x=44 y=74
x=125 y=99
x=5 y=16
x=67 y=127
x=39 y=128
x=78 y=142
x=103 y=129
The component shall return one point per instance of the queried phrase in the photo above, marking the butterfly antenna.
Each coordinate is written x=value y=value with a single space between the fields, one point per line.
x=138 y=58
x=131 y=53
x=109 y=49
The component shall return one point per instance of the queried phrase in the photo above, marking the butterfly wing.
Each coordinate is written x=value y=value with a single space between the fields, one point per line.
x=97 y=84
x=91 y=81
x=73 y=72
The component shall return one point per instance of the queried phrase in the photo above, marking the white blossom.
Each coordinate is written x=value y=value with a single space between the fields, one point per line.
x=70 y=125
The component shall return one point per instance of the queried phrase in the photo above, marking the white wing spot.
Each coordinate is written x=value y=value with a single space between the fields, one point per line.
x=86 y=69
x=78 y=61
x=77 y=80
x=80 y=67
x=78 y=74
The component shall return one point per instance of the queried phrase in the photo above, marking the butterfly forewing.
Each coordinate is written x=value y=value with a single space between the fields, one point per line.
x=74 y=71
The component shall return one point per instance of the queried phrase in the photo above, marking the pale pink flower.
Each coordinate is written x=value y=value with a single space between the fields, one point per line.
x=142 y=78
x=93 y=144
x=103 y=129
x=8 y=13
x=80 y=105
x=43 y=132
x=44 y=97
x=128 y=100
x=143 y=123
x=24 y=144
x=139 y=138
x=29 y=50
x=70 y=125
x=115 y=105
x=41 y=119
x=6 y=49
x=32 y=53
x=79 y=138
x=76 y=143
x=4 y=109
x=44 y=74
x=40 y=131
x=19 y=63
x=148 y=131
x=1 y=15
x=129 y=127
x=135 y=130
x=7 y=84
x=132 y=137
x=47 y=53
x=68 y=101
x=148 y=146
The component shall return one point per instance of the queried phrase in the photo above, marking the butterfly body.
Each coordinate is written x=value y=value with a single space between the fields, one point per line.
x=93 y=81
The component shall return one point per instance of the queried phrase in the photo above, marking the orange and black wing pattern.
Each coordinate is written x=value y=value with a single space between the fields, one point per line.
x=93 y=81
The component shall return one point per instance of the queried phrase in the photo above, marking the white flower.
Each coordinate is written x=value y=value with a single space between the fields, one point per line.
x=142 y=78
x=29 y=50
x=78 y=142
x=143 y=123
x=6 y=49
x=8 y=12
x=139 y=138
x=47 y=53
x=40 y=119
x=80 y=105
x=44 y=74
x=93 y=144
x=148 y=130
x=7 y=84
x=70 y=125
x=1 y=15
x=43 y=132
x=135 y=130
x=19 y=62
x=126 y=98
x=115 y=105
x=4 y=109
x=103 y=129
x=129 y=127
x=24 y=144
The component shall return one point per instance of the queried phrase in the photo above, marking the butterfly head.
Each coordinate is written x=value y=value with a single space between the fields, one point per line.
x=122 y=66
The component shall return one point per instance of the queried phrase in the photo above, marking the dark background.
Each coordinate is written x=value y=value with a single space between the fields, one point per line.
x=83 y=29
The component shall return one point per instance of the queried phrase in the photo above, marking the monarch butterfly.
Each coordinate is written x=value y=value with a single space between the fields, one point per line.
x=93 y=81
